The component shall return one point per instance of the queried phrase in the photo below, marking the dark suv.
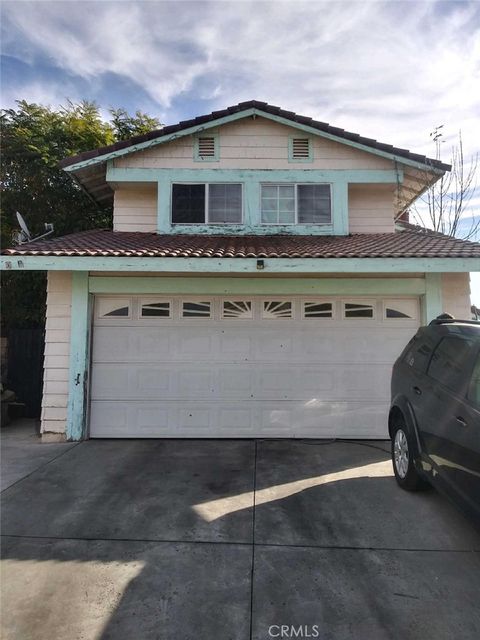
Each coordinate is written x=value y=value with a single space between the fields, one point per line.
x=434 y=419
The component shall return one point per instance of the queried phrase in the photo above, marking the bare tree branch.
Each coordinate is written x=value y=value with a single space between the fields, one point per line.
x=443 y=206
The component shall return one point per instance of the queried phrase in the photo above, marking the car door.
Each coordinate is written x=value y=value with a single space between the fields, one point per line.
x=450 y=427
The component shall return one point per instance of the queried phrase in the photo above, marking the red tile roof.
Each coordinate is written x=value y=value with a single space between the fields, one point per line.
x=266 y=108
x=402 y=244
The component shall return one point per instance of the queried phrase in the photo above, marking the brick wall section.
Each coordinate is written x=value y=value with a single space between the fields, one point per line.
x=456 y=294
x=57 y=352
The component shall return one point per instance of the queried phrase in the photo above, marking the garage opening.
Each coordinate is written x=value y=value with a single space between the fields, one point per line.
x=278 y=366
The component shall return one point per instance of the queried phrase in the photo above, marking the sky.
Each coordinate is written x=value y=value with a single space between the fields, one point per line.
x=389 y=70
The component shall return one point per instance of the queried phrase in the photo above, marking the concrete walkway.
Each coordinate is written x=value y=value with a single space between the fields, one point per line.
x=22 y=451
x=231 y=539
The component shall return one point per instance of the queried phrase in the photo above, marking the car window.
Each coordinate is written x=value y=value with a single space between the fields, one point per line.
x=474 y=388
x=449 y=361
x=418 y=352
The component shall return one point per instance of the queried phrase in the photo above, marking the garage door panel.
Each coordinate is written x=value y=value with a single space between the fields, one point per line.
x=124 y=344
x=254 y=377
x=121 y=381
x=248 y=419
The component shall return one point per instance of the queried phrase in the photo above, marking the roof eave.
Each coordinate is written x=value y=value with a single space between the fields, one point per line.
x=433 y=165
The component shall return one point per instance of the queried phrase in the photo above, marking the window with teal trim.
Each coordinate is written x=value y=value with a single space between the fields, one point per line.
x=296 y=204
x=207 y=203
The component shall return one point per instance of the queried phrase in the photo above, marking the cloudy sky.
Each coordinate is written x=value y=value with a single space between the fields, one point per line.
x=388 y=70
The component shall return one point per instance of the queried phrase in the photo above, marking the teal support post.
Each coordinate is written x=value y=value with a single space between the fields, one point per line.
x=163 y=206
x=340 y=208
x=251 y=205
x=79 y=357
x=433 y=305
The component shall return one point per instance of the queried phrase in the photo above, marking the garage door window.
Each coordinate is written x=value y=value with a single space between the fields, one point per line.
x=273 y=309
x=113 y=308
x=399 y=309
x=317 y=310
x=195 y=309
x=157 y=309
x=357 y=310
x=241 y=309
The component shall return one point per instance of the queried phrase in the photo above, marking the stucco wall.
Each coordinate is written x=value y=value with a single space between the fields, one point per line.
x=254 y=144
x=456 y=294
x=57 y=352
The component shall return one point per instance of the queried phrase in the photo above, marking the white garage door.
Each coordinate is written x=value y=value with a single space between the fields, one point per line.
x=245 y=367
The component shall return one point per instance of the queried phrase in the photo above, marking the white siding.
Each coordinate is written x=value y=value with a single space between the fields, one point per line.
x=57 y=352
x=371 y=208
x=254 y=144
x=456 y=295
x=135 y=208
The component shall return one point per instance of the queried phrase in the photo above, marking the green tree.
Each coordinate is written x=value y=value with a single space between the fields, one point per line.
x=126 y=126
x=34 y=140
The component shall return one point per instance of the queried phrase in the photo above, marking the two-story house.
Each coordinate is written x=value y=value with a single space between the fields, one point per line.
x=258 y=282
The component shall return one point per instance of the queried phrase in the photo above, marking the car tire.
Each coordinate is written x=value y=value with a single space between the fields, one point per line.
x=404 y=469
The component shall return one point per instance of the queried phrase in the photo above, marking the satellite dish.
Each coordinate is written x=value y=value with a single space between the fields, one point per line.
x=25 y=233
x=25 y=236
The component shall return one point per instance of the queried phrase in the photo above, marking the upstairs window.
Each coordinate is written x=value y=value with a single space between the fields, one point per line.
x=296 y=204
x=207 y=203
x=300 y=149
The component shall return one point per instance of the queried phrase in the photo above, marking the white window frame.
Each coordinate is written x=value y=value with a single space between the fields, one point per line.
x=154 y=300
x=197 y=300
x=277 y=299
x=318 y=301
x=237 y=299
x=207 y=185
x=119 y=301
x=390 y=303
x=372 y=303
x=295 y=195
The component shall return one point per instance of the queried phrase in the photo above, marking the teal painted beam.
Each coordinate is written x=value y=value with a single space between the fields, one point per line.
x=238 y=116
x=252 y=210
x=79 y=348
x=432 y=303
x=163 y=206
x=256 y=286
x=240 y=265
x=340 y=208
x=209 y=174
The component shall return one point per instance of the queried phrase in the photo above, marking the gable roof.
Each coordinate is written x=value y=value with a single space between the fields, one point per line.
x=106 y=243
x=243 y=108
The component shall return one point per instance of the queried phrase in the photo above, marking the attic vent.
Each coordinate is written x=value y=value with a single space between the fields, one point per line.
x=300 y=149
x=206 y=147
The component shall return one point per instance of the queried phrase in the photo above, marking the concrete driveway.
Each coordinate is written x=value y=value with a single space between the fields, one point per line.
x=230 y=539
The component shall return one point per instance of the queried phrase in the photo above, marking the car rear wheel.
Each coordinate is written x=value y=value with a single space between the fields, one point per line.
x=403 y=459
